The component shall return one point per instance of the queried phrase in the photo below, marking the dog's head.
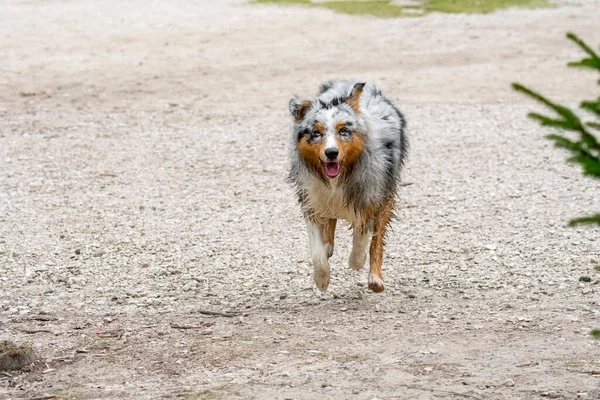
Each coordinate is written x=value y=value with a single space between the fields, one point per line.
x=329 y=135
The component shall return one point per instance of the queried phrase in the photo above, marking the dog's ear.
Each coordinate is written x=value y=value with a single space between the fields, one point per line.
x=298 y=108
x=354 y=99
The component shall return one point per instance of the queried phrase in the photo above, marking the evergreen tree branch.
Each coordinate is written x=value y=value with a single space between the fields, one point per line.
x=581 y=43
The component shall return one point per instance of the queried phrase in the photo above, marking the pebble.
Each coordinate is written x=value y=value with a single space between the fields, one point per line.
x=550 y=395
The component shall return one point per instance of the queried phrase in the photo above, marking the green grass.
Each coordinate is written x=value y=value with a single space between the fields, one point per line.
x=480 y=6
x=376 y=8
x=383 y=8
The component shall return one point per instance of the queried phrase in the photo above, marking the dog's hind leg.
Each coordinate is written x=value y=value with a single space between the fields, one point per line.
x=318 y=254
x=380 y=222
x=360 y=240
x=329 y=235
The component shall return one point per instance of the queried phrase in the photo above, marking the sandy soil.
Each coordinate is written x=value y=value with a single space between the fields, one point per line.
x=142 y=166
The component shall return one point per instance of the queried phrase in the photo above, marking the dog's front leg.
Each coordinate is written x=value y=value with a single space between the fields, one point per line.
x=380 y=222
x=318 y=254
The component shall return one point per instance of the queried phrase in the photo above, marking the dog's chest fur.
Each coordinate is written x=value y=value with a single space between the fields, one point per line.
x=325 y=202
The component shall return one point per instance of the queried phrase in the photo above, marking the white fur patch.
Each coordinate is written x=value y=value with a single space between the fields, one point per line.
x=359 y=249
x=318 y=252
x=321 y=276
x=374 y=279
x=319 y=256
x=331 y=142
x=328 y=202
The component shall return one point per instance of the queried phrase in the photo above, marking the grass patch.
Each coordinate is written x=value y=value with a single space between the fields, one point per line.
x=384 y=8
x=380 y=9
x=480 y=6
x=376 y=8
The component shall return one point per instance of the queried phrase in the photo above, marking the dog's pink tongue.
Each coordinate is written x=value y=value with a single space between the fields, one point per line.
x=332 y=169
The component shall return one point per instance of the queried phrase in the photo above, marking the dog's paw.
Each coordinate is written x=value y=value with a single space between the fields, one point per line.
x=357 y=260
x=321 y=276
x=375 y=283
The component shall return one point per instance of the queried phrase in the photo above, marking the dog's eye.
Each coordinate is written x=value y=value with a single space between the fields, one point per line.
x=316 y=134
x=344 y=131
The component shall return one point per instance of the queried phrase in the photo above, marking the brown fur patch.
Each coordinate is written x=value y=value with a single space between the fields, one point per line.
x=350 y=152
x=303 y=109
x=339 y=126
x=380 y=224
x=310 y=154
x=354 y=100
x=328 y=233
x=319 y=127
x=366 y=214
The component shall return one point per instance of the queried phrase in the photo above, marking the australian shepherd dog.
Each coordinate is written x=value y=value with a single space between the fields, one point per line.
x=347 y=149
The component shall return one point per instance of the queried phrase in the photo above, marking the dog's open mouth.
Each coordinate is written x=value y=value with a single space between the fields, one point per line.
x=332 y=169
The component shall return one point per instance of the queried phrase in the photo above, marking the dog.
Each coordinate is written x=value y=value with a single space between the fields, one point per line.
x=347 y=149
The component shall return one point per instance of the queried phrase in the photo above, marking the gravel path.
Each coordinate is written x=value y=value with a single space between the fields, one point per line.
x=142 y=166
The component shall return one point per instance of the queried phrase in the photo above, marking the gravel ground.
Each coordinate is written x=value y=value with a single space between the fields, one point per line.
x=142 y=166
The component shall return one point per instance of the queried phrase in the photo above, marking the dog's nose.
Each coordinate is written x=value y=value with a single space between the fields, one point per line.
x=331 y=154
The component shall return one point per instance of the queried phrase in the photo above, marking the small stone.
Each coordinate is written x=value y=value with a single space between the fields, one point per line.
x=587 y=291
x=550 y=395
x=585 y=279
x=282 y=296
x=509 y=383
x=324 y=384
x=78 y=251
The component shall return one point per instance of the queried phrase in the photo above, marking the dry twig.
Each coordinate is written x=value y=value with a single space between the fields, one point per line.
x=32 y=331
x=218 y=314
x=467 y=396
x=177 y=326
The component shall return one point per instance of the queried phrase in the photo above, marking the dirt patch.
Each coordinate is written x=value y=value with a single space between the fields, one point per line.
x=143 y=159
